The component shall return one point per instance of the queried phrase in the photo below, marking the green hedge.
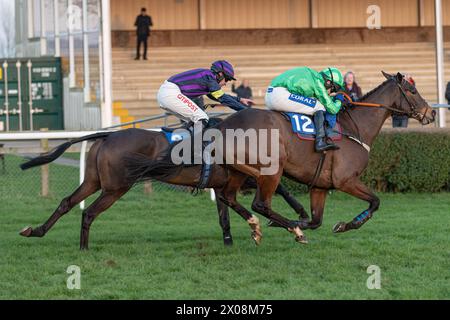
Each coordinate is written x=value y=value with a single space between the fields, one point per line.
x=406 y=162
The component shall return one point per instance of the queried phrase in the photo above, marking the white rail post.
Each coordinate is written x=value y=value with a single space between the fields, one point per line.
x=56 y=26
x=87 y=78
x=42 y=22
x=19 y=97
x=5 y=68
x=107 y=64
x=30 y=92
x=70 y=27
x=440 y=62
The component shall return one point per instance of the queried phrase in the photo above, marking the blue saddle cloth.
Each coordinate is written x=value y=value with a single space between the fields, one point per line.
x=303 y=126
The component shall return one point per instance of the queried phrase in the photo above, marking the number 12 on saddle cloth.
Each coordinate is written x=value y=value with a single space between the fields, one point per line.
x=303 y=126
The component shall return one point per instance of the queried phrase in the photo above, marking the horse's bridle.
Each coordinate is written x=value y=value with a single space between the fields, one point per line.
x=412 y=113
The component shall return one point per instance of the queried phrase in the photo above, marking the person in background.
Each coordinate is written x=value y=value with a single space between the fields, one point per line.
x=351 y=87
x=143 y=24
x=244 y=90
x=447 y=93
x=401 y=121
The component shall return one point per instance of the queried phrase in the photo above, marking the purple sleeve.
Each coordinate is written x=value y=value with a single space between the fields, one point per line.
x=212 y=84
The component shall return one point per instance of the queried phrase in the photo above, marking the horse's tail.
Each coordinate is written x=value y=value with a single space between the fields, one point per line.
x=58 y=151
x=140 y=168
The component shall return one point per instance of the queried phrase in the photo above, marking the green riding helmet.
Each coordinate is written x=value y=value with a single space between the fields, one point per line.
x=336 y=78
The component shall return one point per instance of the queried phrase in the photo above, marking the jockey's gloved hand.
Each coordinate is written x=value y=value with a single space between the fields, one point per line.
x=343 y=99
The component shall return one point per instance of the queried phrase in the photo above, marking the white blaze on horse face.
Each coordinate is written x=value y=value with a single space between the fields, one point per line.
x=272 y=159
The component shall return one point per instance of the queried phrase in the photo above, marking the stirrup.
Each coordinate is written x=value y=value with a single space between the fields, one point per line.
x=325 y=147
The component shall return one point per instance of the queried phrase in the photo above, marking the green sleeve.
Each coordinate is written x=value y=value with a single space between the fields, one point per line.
x=332 y=107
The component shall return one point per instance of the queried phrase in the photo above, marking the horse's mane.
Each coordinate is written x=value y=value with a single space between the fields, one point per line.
x=368 y=94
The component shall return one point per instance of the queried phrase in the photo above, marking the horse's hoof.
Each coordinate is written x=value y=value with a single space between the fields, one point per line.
x=256 y=238
x=301 y=239
x=26 y=232
x=228 y=242
x=339 y=227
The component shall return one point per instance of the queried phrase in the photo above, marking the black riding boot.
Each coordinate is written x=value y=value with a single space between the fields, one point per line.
x=321 y=138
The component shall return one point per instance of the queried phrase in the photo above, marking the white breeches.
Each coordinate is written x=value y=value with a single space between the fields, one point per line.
x=171 y=99
x=280 y=99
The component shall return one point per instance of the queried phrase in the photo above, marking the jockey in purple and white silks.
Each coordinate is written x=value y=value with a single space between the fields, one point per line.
x=178 y=93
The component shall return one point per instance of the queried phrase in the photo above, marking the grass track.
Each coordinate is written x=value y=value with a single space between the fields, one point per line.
x=168 y=246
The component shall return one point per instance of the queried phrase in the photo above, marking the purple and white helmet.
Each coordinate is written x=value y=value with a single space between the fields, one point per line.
x=225 y=67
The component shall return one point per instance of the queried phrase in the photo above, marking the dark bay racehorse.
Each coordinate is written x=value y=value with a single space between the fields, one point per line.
x=105 y=171
x=342 y=168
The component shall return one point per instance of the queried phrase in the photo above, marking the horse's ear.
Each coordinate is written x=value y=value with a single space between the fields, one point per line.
x=399 y=77
x=386 y=75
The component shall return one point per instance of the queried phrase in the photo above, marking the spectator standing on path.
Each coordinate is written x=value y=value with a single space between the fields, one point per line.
x=143 y=24
x=447 y=93
x=352 y=88
x=401 y=121
x=244 y=90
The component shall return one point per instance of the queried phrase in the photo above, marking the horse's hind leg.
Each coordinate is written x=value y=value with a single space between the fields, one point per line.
x=224 y=221
x=86 y=189
x=282 y=191
x=102 y=203
x=90 y=185
x=263 y=205
x=228 y=196
x=356 y=188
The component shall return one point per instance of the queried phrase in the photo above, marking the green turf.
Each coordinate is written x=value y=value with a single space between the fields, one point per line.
x=169 y=246
x=73 y=156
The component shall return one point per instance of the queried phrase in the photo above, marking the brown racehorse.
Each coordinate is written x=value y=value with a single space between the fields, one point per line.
x=342 y=168
x=105 y=171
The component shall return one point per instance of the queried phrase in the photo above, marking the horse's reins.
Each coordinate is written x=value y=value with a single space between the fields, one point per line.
x=412 y=113
x=358 y=140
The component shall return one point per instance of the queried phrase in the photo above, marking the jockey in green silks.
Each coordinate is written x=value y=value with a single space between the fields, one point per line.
x=304 y=90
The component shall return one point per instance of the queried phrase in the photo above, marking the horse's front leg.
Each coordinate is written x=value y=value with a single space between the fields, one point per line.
x=293 y=203
x=356 y=188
